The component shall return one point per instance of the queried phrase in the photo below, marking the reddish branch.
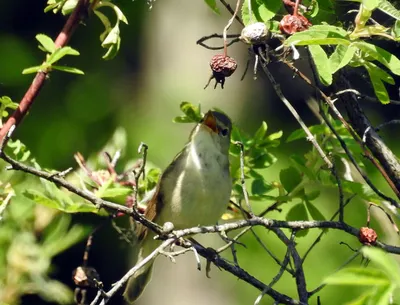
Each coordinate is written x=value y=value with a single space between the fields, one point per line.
x=39 y=80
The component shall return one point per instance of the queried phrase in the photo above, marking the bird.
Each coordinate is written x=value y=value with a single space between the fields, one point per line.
x=194 y=190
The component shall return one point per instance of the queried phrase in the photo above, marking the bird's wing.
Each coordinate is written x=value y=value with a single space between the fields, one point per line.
x=157 y=202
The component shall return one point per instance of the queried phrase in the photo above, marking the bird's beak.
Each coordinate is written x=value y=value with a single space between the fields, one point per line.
x=210 y=121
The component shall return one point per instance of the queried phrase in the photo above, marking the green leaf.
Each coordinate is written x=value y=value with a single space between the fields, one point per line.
x=40 y=198
x=112 y=42
x=262 y=10
x=192 y=113
x=379 y=88
x=32 y=69
x=68 y=69
x=6 y=102
x=112 y=50
x=260 y=133
x=106 y=22
x=313 y=211
x=260 y=187
x=290 y=178
x=396 y=29
x=261 y=160
x=55 y=203
x=384 y=57
x=69 y=6
x=341 y=57
x=46 y=42
x=381 y=295
x=370 y=4
x=320 y=35
x=358 y=277
x=384 y=261
x=212 y=4
x=300 y=133
x=382 y=74
x=321 y=63
x=116 y=194
x=60 y=53
x=298 y=212
x=388 y=8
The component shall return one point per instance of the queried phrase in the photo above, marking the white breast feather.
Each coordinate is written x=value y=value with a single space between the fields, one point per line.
x=202 y=190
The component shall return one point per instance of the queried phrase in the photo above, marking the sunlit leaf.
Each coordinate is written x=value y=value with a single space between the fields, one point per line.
x=385 y=262
x=46 y=42
x=322 y=64
x=358 y=277
x=213 y=5
x=320 y=35
x=60 y=53
x=262 y=10
x=32 y=69
x=388 y=8
x=68 y=69
x=341 y=57
x=381 y=55
x=379 y=87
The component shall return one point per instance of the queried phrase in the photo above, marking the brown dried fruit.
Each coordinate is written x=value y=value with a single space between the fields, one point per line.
x=222 y=66
x=291 y=24
x=86 y=277
x=367 y=236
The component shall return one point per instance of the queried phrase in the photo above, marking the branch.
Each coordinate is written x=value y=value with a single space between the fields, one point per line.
x=38 y=82
x=374 y=142
x=118 y=285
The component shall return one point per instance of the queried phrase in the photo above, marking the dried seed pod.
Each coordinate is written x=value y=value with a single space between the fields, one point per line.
x=367 y=236
x=86 y=277
x=291 y=24
x=222 y=66
x=255 y=33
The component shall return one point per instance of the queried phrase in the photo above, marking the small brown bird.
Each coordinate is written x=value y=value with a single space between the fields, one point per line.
x=193 y=190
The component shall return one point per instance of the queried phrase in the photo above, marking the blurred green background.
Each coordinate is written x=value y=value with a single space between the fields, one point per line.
x=159 y=66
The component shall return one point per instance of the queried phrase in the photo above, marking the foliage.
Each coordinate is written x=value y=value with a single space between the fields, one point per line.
x=380 y=281
x=54 y=55
x=31 y=236
x=334 y=47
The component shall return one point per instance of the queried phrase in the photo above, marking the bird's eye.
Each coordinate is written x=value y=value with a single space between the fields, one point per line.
x=224 y=132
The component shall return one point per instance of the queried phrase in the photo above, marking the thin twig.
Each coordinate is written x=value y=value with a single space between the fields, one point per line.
x=118 y=285
x=310 y=136
x=242 y=177
x=350 y=155
x=5 y=203
x=387 y=215
x=226 y=28
x=348 y=261
x=230 y=10
x=363 y=96
x=318 y=239
x=285 y=262
x=205 y=38
x=341 y=196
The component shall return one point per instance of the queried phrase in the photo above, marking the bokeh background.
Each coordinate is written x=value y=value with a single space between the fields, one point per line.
x=159 y=66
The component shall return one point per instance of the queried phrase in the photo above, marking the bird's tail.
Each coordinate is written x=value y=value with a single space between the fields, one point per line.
x=140 y=279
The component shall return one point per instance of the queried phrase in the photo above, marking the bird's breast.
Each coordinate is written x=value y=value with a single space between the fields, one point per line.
x=201 y=189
